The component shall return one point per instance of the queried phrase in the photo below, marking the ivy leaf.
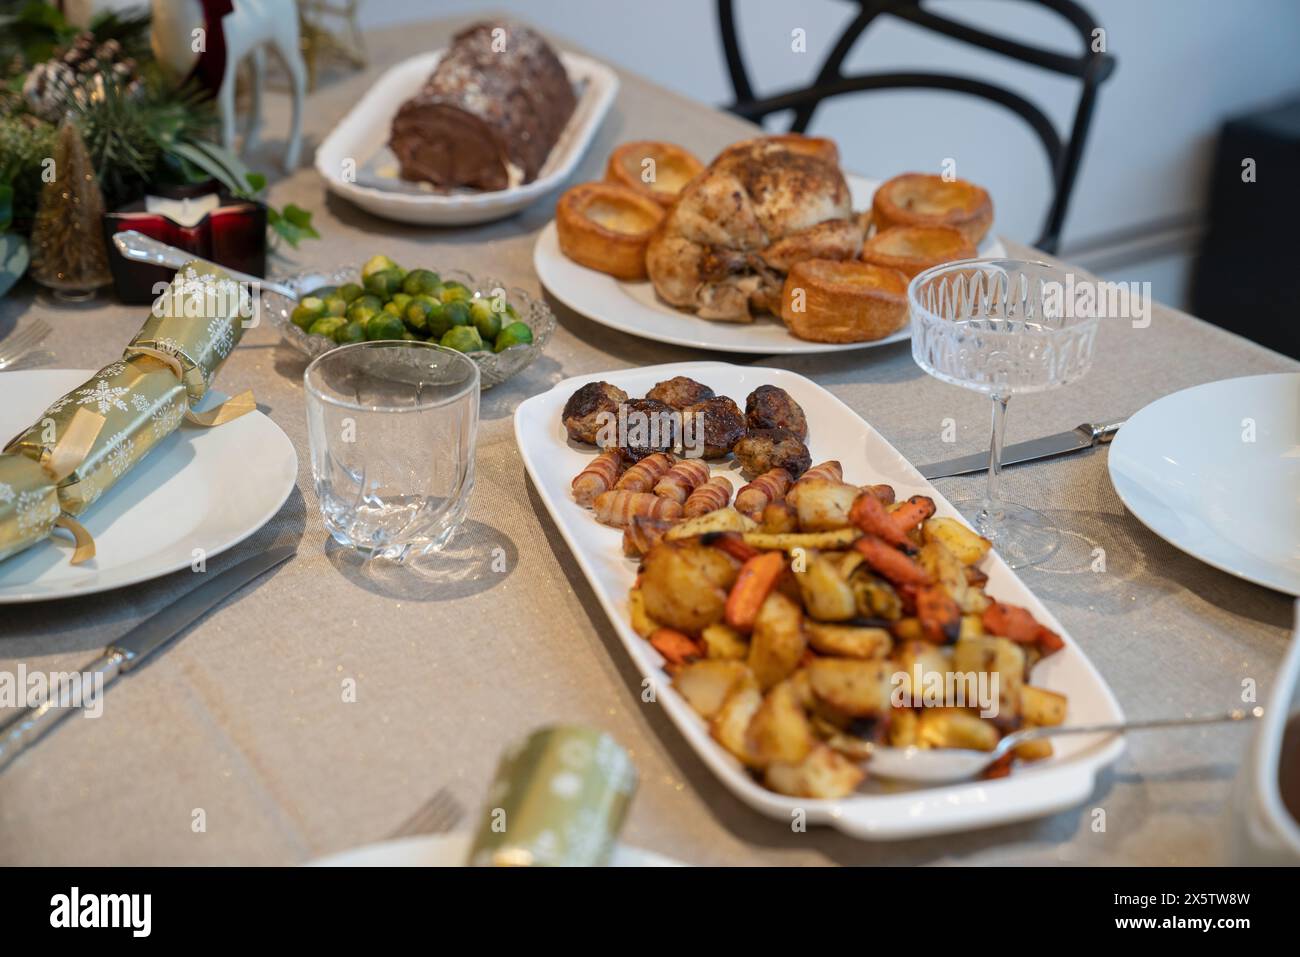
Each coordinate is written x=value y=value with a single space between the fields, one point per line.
x=256 y=181
x=294 y=224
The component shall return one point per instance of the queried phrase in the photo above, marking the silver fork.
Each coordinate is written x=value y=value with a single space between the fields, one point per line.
x=23 y=342
x=438 y=815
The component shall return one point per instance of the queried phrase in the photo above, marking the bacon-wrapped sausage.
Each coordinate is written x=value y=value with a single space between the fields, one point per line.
x=771 y=486
x=618 y=507
x=643 y=534
x=709 y=497
x=643 y=476
x=682 y=479
x=826 y=470
x=597 y=477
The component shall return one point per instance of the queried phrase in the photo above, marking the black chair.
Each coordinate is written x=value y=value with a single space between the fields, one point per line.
x=1090 y=67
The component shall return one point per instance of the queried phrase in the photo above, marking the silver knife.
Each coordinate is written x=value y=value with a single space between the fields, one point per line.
x=1082 y=437
x=26 y=727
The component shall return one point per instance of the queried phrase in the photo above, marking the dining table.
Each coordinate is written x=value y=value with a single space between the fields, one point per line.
x=316 y=709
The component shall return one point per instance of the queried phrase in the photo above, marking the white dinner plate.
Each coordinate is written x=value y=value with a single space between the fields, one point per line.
x=450 y=850
x=837 y=432
x=633 y=307
x=1215 y=471
x=198 y=488
x=348 y=153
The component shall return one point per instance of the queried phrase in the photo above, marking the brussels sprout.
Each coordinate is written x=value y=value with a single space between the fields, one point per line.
x=417 y=315
x=384 y=283
x=361 y=311
x=515 y=334
x=325 y=326
x=307 y=311
x=335 y=305
x=439 y=321
x=400 y=301
x=457 y=312
x=384 y=325
x=463 y=339
x=376 y=264
x=350 y=290
x=487 y=322
x=350 y=332
x=419 y=281
x=455 y=291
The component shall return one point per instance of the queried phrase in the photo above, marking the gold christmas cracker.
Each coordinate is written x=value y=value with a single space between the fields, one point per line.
x=559 y=799
x=142 y=402
x=29 y=499
x=195 y=325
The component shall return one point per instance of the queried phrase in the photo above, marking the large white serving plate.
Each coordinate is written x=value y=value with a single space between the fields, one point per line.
x=365 y=129
x=198 y=488
x=1189 y=468
x=450 y=850
x=836 y=431
x=633 y=307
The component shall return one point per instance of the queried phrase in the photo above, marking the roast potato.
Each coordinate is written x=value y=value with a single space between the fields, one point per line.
x=826 y=596
x=779 y=730
x=730 y=726
x=720 y=520
x=707 y=684
x=848 y=641
x=990 y=655
x=966 y=544
x=824 y=773
x=822 y=504
x=685 y=584
x=955 y=728
x=778 y=641
x=855 y=687
x=725 y=643
x=1041 y=707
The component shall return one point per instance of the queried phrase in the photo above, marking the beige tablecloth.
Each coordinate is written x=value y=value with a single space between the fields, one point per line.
x=244 y=719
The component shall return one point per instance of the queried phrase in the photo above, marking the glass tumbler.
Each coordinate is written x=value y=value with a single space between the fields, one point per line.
x=392 y=427
x=1002 y=327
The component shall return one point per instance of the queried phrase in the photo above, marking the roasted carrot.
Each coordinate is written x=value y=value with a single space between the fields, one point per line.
x=869 y=515
x=1049 y=641
x=757 y=578
x=1000 y=768
x=912 y=513
x=676 y=647
x=1010 y=621
x=732 y=544
x=890 y=562
x=939 y=614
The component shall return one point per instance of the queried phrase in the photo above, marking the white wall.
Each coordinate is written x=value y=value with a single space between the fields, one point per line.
x=1184 y=65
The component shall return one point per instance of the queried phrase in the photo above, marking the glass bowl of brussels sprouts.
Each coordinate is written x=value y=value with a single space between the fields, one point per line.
x=500 y=327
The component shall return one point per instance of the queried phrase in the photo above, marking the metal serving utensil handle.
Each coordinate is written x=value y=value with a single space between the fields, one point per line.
x=1223 y=717
x=141 y=248
x=29 y=726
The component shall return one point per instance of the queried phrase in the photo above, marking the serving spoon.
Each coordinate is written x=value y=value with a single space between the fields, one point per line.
x=944 y=765
x=141 y=248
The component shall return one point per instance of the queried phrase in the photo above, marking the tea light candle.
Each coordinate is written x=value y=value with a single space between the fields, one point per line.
x=184 y=212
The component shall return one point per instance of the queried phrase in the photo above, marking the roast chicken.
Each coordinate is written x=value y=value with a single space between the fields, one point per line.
x=737 y=228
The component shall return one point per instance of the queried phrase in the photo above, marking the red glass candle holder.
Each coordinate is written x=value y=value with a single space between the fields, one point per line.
x=233 y=234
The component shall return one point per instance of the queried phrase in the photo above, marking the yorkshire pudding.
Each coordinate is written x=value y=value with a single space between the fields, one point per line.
x=912 y=249
x=670 y=168
x=606 y=227
x=827 y=300
x=921 y=199
x=817 y=146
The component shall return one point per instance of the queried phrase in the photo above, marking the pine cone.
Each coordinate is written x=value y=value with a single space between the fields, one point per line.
x=51 y=87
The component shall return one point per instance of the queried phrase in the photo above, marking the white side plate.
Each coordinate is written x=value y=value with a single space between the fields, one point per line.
x=365 y=130
x=450 y=850
x=1215 y=471
x=198 y=488
x=836 y=431
x=633 y=307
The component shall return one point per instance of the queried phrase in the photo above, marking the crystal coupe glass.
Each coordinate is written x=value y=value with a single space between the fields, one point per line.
x=1002 y=327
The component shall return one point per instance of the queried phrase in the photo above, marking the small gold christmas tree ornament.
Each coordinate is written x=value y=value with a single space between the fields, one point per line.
x=68 y=251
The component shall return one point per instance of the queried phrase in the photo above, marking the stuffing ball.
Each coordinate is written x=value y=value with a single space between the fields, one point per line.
x=582 y=413
x=771 y=407
x=715 y=424
x=762 y=450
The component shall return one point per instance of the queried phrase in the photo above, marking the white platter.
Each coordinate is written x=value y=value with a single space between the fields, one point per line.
x=1215 y=471
x=198 y=488
x=365 y=129
x=633 y=307
x=836 y=431
x=450 y=850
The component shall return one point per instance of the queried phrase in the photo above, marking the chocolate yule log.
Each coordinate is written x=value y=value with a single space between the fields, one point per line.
x=489 y=114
